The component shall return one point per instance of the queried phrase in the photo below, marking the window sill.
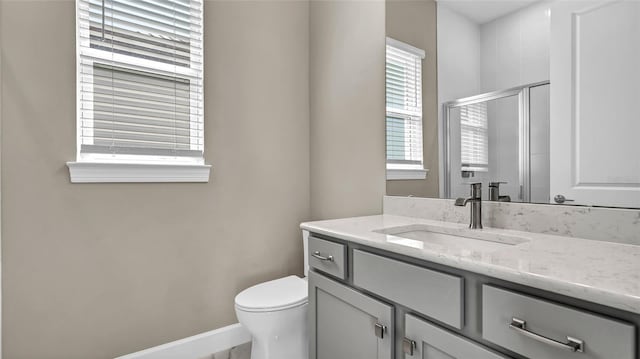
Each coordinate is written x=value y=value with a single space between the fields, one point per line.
x=97 y=172
x=394 y=174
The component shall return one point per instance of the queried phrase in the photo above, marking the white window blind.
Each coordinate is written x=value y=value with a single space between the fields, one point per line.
x=404 y=105
x=140 y=80
x=474 y=137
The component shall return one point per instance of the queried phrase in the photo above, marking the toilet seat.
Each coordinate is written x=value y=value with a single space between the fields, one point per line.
x=275 y=295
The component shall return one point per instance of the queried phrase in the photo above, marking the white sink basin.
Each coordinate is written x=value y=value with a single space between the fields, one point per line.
x=451 y=237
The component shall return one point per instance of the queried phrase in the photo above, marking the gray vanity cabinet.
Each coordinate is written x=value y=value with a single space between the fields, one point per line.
x=346 y=324
x=424 y=340
x=370 y=304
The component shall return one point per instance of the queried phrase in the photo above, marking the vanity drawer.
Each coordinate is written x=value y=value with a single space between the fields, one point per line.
x=549 y=328
x=328 y=257
x=434 y=294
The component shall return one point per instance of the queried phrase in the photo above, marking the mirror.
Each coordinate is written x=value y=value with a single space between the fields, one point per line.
x=488 y=139
x=534 y=99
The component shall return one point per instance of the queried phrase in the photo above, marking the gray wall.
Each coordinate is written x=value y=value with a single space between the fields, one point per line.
x=514 y=49
x=347 y=102
x=459 y=71
x=414 y=22
x=99 y=270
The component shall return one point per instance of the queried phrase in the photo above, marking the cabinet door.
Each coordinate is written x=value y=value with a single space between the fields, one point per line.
x=595 y=51
x=427 y=341
x=345 y=324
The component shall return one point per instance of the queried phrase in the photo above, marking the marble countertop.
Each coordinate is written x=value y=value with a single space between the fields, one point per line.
x=601 y=272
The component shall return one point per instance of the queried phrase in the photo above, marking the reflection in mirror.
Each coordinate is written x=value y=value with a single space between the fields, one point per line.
x=412 y=107
x=535 y=99
x=488 y=139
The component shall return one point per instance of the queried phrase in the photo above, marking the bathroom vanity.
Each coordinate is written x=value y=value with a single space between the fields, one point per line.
x=399 y=287
x=537 y=105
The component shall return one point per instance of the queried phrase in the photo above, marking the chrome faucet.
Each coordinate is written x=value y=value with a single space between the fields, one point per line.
x=476 y=205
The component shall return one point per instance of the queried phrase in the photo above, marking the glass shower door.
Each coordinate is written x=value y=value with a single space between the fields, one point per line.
x=501 y=136
x=485 y=146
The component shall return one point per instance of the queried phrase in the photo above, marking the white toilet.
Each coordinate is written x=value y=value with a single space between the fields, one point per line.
x=275 y=313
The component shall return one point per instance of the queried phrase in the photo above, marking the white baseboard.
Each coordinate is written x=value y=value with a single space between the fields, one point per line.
x=196 y=346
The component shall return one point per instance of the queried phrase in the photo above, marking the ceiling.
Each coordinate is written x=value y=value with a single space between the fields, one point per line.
x=483 y=11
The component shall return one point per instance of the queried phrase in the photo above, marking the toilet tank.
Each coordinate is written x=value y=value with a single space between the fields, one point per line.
x=305 y=246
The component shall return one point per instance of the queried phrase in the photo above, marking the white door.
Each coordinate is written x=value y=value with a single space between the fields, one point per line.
x=595 y=102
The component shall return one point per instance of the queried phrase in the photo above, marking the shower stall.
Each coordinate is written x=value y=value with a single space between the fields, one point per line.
x=500 y=137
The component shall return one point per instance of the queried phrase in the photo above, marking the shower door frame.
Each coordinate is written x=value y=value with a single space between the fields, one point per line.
x=524 y=133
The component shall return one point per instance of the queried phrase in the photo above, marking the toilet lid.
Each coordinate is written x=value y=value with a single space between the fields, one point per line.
x=274 y=295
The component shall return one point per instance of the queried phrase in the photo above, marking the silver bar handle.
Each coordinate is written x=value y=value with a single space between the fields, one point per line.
x=573 y=344
x=408 y=346
x=319 y=256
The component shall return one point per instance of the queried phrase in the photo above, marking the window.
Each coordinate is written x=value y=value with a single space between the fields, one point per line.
x=474 y=140
x=404 y=111
x=140 y=91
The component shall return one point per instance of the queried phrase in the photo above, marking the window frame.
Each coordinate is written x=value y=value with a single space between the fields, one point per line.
x=400 y=171
x=474 y=127
x=103 y=167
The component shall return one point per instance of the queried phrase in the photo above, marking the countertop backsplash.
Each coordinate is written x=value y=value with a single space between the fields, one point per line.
x=605 y=224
